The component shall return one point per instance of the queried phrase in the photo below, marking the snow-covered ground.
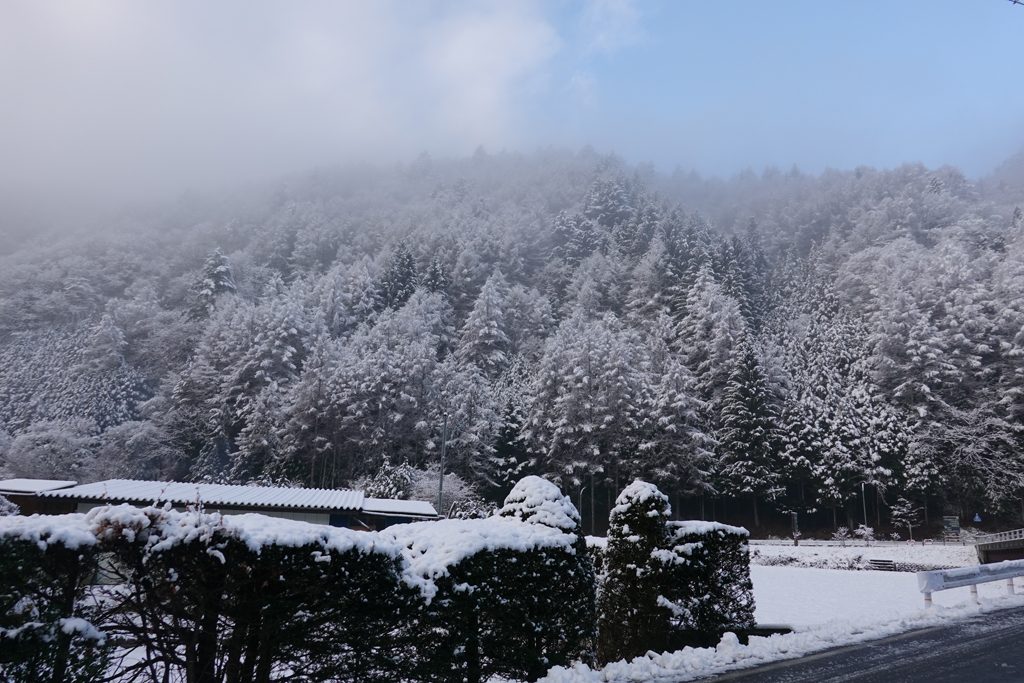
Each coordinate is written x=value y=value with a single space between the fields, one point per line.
x=826 y=607
x=856 y=557
x=800 y=597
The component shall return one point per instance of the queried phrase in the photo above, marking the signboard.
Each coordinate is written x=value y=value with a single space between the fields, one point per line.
x=951 y=526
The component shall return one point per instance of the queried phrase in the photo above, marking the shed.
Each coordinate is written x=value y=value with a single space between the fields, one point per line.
x=334 y=507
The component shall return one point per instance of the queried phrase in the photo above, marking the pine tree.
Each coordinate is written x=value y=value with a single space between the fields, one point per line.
x=437 y=279
x=398 y=281
x=216 y=279
x=748 y=442
x=483 y=340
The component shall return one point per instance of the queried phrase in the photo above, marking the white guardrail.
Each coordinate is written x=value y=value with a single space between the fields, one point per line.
x=943 y=579
x=1001 y=537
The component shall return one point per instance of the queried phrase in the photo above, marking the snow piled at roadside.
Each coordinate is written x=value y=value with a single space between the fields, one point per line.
x=693 y=663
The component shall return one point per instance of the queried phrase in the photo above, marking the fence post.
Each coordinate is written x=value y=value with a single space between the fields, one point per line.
x=974 y=593
x=927 y=600
x=1009 y=587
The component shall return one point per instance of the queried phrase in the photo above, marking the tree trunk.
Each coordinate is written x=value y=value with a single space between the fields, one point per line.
x=592 y=503
x=757 y=518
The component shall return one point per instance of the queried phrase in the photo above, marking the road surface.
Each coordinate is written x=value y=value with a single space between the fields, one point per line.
x=985 y=649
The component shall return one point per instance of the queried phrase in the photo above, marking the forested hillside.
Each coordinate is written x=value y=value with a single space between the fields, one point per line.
x=752 y=346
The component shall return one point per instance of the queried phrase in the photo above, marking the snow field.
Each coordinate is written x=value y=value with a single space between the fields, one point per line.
x=845 y=557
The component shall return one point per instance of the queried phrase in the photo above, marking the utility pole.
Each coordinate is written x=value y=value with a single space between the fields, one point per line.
x=440 y=475
x=579 y=508
x=864 y=504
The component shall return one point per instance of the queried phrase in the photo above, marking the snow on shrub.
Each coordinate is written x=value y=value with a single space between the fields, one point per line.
x=250 y=597
x=47 y=632
x=7 y=507
x=504 y=597
x=538 y=501
x=634 y=615
x=662 y=580
x=712 y=588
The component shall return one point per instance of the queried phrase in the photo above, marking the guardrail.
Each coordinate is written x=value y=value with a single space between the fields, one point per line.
x=944 y=579
x=1001 y=537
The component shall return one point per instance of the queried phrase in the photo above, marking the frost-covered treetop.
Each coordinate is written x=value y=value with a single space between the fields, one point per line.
x=640 y=493
x=538 y=501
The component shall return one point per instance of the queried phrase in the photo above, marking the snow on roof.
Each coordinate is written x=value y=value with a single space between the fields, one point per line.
x=33 y=485
x=404 y=508
x=185 y=493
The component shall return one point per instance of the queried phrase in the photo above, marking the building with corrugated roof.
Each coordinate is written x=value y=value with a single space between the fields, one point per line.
x=335 y=507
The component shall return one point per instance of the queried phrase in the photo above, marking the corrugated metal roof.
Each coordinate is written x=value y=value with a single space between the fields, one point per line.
x=33 y=485
x=388 y=506
x=184 y=493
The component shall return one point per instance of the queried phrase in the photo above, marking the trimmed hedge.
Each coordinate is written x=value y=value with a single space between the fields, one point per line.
x=713 y=585
x=205 y=598
x=47 y=630
x=253 y=598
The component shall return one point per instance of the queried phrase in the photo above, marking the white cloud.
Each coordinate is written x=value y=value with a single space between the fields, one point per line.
x=121 y=96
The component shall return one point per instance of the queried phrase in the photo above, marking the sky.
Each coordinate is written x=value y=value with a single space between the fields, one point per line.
x=124 y=98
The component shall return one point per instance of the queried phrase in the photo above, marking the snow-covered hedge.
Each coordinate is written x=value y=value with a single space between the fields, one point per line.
x=662 y=581
x=507 y=596
x=250 y=597
x=255 y=598
x=713 y=583
x=47 y=630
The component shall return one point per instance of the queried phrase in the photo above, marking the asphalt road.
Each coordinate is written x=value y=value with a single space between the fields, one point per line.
x=985 y=649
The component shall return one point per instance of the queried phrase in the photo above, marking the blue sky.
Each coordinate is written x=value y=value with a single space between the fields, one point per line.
x=722 y=85
x=119 y=97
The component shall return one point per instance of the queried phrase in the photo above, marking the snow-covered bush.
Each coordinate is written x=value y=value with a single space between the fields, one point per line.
x=842 y=534
x=8 y=508
x=864 y=533
x=507 y=596
x=712 y=590
x=46 y=630
x=249 y=597
x=665 y=579
x=634 y=614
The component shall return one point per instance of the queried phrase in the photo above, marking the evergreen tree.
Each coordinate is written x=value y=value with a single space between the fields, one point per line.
x=483 y=340
x=398 y=281
x=748 y=442
x=633 y=617
x=216 y=279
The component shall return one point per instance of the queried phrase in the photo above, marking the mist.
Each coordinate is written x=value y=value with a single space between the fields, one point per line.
x=121 y=100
